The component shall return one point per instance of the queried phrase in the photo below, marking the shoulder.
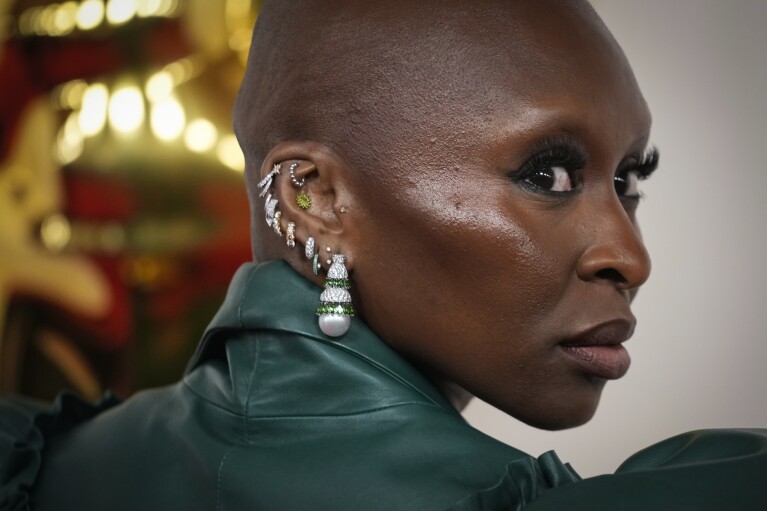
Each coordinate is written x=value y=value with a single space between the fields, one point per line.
x=25 y=429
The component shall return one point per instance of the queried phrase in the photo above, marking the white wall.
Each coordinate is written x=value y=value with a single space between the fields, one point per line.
x=700 y=350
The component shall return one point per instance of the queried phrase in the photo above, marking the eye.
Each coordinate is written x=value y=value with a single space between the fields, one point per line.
x=637 y=168
x=627 y=185
x=551 y=179
x=552 y=168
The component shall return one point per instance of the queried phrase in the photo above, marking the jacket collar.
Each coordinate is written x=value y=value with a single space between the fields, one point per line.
x=272 y=296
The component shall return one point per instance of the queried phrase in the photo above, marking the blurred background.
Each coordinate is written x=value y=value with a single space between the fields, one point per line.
x=123 y=214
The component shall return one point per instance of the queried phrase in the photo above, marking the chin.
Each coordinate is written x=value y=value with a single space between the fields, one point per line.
x=559 y=422
x=560 y=412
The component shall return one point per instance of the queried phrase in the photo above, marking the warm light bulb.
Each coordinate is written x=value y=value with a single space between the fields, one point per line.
x=230 y=154
x=93 y=114
x=90 y=14
x=126 y=109
x=167 y=119
x=200 y=136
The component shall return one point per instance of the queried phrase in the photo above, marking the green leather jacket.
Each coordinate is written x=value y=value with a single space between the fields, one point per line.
x=273 y=415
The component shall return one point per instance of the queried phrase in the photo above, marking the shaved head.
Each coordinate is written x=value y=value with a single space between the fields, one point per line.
x=365 y=77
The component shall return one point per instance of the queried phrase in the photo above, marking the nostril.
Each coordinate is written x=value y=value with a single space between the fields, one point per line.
x=611 y=274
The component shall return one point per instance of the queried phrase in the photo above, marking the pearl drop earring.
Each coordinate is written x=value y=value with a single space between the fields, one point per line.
x=335 y=308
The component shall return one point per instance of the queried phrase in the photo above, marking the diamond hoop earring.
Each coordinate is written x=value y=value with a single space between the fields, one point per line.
x=335 y=309
x=292 y=172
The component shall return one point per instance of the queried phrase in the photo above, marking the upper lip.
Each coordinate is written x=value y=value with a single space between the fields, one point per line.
x=607 y=333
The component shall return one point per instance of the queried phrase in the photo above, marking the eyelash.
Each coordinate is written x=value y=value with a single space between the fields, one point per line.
x=563 y=152
x=643 y=166
x=570 y=155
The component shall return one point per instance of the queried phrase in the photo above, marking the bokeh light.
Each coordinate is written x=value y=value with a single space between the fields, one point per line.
x=120 y=11
x=230 y=154
x=65 y=18
x=146 y=8
x=71 y=94
x=200 y=136
x=90 y=14
x=93 y=114
x=167 y=119
x=55 y=232
x=159 y=86
x=126 y=109
x=70 y=141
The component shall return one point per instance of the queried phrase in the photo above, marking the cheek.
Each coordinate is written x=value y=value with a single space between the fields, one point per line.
x=476 y=287
x=468 y=271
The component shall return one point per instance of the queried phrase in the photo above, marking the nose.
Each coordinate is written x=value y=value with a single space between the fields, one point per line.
x=616 y=253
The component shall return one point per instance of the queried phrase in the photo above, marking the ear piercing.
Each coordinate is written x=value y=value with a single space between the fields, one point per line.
x=292 y=173
x=309 y=247
x=291 y=234
x=303 y=200
x=266 y=183
x=335 y=309
x=277 y=228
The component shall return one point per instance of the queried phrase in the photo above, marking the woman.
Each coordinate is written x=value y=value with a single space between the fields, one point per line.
x=470 y=171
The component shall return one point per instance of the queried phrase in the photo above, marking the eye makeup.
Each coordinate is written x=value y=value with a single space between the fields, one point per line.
x=634 y=169
x=545 y=163
x=643 y=164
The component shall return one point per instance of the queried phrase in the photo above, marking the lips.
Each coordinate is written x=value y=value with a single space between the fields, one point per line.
x=599 y=350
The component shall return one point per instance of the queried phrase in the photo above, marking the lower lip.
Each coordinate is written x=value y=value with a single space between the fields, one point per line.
x=609 y=362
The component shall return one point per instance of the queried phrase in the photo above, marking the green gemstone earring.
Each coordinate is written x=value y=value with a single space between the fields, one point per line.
x=335 y=309
x=303 y=200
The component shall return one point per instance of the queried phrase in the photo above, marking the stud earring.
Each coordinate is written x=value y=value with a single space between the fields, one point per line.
x=303 y=200
x=335 y=309
x=309 y=247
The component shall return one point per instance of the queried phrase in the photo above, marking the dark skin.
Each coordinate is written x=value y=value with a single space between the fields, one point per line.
x=476 y=165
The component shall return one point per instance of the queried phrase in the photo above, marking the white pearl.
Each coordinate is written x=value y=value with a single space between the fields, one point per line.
x=333 y=325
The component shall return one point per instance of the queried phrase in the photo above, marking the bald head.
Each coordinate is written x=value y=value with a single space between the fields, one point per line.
x=358 y=76
x=389 y=85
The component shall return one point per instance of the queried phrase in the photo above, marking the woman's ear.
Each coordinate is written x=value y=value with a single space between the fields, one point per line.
x=309 y=183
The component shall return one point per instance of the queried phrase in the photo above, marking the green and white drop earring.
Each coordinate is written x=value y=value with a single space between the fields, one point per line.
x=335 y=309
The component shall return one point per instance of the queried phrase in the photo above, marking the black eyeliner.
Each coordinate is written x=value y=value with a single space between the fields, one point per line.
x=558 y=151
